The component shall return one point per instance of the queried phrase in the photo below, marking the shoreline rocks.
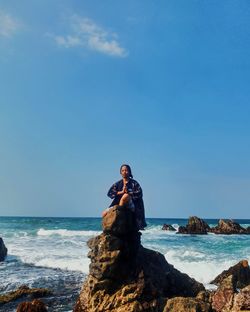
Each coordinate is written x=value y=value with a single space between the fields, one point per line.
x=33 y=306
x=23 y=292
x=3 y=250
x=125 y=276
x=240 y=273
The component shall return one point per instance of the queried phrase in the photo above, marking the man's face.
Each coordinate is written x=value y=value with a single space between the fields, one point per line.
x=124 y=172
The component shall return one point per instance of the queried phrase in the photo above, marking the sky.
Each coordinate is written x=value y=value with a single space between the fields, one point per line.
x=86 y=86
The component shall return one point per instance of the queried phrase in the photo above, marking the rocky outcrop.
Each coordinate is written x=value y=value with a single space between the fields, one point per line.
x=23 y=291
x=229 y=227
x=168 y=227
x=3 y=250
x=242 y=300
x=195 y=226
x=181 y=304
x=125 y=276
x=34 y=306
x=240 y=273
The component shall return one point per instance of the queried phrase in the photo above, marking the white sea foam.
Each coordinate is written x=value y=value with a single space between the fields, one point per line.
x=65 y=232
x=199 y=268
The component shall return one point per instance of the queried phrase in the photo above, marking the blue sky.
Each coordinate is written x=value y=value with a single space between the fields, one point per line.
x=88 y=85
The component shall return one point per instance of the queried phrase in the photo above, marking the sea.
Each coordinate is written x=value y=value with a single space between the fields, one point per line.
x=52 y=253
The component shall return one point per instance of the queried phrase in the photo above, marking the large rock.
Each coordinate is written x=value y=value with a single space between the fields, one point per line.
x=195 y=226
x=229 y=227
x=124 y=276
x=3 y=250
x=223 y=298
x=240 y=273
x=34 y=306
x=242 y=300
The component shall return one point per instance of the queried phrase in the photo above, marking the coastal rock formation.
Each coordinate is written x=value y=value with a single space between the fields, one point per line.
x=23 y=291
x=124 y=276
x=168 y=227
x=181 y=304
x=240 y=273
x=34 y=306
x=229 y=227
x=195 y=226
x=3 y=250
x=222 y=299
x=242 y=300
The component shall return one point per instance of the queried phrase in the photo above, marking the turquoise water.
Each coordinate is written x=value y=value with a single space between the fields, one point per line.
x=52 y=252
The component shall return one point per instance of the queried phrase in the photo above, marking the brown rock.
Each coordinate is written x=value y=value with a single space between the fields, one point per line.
x=23 y=291
x=240 y=273
x=242 y=300
x=168 y=227
x=124 y=276
x=3 y=250
x=228 y=227
x=222 y=300
x=195 y=226
x=34 y=306
x=180 y=304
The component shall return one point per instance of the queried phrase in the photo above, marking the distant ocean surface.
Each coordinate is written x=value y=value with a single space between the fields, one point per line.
x=52 y=252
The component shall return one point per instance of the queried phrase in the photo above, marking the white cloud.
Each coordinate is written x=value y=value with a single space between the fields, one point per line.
x=88 y=34
x=8 y=25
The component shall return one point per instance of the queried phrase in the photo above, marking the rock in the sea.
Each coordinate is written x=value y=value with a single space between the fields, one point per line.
x=168 y=227
x=3 y=250
x=24 y=291
x=180 y=304
x=229 y=227
x=124 y=276
x=240 y=273
x=34 y=306
x=195 y=226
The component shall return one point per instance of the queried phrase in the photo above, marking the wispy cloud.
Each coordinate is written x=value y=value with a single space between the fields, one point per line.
x=8 y=25
x=86 y=33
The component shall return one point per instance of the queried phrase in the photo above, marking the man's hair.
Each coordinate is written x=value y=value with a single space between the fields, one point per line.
x=129 y=170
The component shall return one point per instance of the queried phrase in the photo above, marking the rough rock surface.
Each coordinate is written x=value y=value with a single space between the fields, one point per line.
x=195 y=226
x=181 y=304
x=222 y=299
x=229 y=227
x=168 y=227
x=242 y=300
x=240 y=273
x=34 y=306
x=3 y=250
x=124 y=276
x=24 y=291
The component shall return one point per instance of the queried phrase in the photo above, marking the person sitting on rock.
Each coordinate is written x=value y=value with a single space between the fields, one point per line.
x=127 y=192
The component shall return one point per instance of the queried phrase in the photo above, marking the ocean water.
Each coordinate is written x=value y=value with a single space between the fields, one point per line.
x=52 y=253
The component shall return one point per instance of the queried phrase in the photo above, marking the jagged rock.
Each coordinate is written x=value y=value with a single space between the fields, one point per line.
x=229 y=227
x=240 y=273
x=168 y=227
x=248 y=230
x=195 y=226
x=180 y=304
x=242 y=300
x=124 y=276
x=223 y=298
x=3 y=250
x=24 y=291
x=34 y=306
